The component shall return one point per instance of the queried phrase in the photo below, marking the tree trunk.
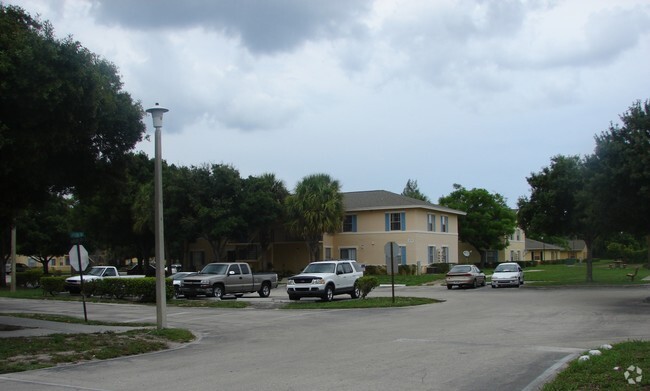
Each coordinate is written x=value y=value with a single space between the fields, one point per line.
x=647 y=242
x=590 y=274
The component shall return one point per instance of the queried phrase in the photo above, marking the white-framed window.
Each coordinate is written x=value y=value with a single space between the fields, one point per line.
x=431 y=223
x=349 y=253
x=396 y=221
x=518 y=233
x=444 y=223
x=512 y=256
x=432 y=254
x=350 y=223
x=444 y=254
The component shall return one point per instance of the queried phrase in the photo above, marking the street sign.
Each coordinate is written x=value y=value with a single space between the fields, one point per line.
x=74 y=259
x=392 y=252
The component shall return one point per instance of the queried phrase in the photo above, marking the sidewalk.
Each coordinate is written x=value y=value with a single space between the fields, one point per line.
x=11 y=326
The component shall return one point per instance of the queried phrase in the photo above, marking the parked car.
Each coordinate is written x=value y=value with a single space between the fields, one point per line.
x=218 y=279
x=20 y=267
x=325 y=279
x=465 y=275
x=507 y=274
x=177 y=278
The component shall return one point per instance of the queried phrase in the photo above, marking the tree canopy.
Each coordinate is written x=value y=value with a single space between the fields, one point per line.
x=488 y=221
x=621 y=166
x=561 y=203
x=315 y=208
x=412 y=190
x=65 y=121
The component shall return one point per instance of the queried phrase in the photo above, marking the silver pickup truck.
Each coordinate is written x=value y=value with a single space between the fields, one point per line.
x=218 y=279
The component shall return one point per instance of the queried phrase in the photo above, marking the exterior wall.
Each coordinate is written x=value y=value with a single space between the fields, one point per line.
x=371 y=237
x=516 y=250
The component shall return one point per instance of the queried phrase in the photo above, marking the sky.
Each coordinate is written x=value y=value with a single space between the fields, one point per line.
x=373 y=93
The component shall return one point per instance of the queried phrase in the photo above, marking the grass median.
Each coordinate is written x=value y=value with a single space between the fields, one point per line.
x=608 y=371
x=25 y=353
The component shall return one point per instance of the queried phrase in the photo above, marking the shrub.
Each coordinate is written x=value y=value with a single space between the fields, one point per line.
x=367 y=284
x=375 y=270
x=29 y=278
x=52 y=285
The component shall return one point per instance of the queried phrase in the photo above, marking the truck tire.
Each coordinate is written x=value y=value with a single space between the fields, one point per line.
x=265 y=290
x=329 y=293
x=356 y=292
x=217 y=291
x=294 y=297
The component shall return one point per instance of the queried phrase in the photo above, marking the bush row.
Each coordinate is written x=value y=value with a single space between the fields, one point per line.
x=142 y=288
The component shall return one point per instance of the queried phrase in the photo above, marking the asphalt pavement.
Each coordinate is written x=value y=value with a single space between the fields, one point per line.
x=476 y=339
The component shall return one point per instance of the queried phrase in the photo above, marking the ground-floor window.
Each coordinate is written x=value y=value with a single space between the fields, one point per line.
x=349 y=253
x=432 y=254
x=444 y=255
x=328 y=253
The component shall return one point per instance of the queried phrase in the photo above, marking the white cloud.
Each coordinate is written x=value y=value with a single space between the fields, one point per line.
x=480 y=93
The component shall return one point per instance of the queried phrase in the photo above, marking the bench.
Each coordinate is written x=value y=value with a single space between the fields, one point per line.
x=632 y=275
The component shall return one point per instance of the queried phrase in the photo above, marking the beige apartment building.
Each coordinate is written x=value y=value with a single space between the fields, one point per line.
x=514 y=252
x=425 y=233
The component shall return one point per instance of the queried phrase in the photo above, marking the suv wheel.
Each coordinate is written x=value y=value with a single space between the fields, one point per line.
x=356 y=292
x=329 y=293
x=294 y=297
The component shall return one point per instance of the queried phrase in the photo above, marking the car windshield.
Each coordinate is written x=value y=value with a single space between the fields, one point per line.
x=505 y=268
x=325 y=267
x=96 y=271
x=215 y=268
x=461 y=269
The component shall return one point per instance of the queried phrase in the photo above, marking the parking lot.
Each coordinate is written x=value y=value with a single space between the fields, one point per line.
x=477 y=339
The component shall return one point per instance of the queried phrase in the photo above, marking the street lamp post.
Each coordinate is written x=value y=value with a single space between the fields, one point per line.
x=161 y=294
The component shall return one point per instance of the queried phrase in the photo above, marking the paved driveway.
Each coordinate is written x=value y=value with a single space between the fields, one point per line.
x=478 y=339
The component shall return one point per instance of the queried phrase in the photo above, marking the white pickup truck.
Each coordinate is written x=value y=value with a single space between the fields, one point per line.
x=73 y=284
x=325 y=279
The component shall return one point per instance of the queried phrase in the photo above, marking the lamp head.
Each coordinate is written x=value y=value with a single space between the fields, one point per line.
x=157 y=114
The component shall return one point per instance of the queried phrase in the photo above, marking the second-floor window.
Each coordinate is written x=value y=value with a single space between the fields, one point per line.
x=444 y=223
x=396 y=221
x=431 y=223
x=350 y=223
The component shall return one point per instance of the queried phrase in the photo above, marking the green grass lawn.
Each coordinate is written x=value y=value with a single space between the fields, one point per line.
x=549 y=275
x=26 y=353
x=607 y=371
x=370 y=302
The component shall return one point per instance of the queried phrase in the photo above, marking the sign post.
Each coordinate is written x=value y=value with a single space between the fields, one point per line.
x=76 y=238
x=391 y=250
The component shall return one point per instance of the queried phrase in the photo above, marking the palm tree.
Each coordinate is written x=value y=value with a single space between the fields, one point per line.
x=315 y=208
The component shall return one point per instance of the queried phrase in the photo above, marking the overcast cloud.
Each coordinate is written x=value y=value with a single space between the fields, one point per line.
x=374 y=93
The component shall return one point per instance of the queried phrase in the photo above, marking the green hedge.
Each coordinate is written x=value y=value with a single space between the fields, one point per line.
x=29 y=278
x=141 y=288
x=53 y=285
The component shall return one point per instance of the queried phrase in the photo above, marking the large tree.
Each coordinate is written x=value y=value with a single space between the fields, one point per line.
x=562 y=203
x=215 y=205
x=621 y=162
x=65 y=121
x=263 y=210
x=315 y=208
x=45 y=231
x=488 y=222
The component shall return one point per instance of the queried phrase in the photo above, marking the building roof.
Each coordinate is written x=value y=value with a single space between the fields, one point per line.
x=381 y=200
x=576 y=245
x=537 y=245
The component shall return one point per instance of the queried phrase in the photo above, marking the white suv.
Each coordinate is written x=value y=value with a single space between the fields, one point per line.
x=325 y=279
